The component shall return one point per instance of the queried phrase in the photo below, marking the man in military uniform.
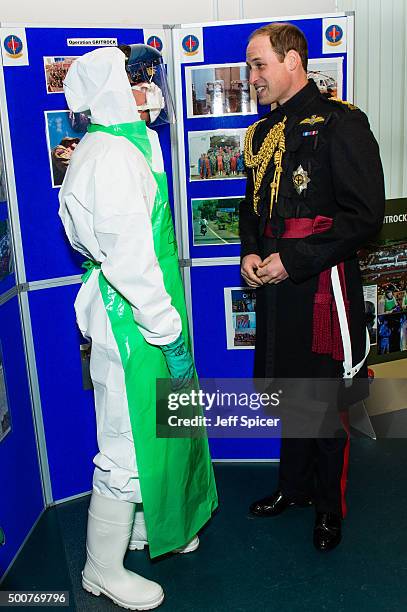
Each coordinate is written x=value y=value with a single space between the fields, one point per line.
x=315 y=195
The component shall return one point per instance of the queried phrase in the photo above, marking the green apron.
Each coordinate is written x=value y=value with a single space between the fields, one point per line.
x=176 y=476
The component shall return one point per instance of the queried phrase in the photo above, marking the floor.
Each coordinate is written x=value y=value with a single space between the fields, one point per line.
x=247 y=564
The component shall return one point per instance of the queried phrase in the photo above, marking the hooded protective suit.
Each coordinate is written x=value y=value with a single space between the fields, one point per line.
x=114 y=207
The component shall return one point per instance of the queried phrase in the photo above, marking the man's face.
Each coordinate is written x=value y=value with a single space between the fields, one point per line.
x=270 y=77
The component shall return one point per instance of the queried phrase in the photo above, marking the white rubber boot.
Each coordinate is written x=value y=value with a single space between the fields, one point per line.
x=109 y=528
x=139 y=539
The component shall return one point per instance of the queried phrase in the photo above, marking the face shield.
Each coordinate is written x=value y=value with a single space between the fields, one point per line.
x=146 y=71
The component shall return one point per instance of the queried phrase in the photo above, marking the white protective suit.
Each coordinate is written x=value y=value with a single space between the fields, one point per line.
x=105 y=205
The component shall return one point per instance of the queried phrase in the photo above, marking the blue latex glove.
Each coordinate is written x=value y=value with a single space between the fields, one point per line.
x=179 y=362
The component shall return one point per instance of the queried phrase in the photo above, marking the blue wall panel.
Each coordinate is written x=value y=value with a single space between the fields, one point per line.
x=68 y=410
x=21 y=499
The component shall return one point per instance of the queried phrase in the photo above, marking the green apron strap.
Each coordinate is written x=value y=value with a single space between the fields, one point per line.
x=89 y=266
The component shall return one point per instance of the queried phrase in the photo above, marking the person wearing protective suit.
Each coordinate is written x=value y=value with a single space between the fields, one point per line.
x=115 y=210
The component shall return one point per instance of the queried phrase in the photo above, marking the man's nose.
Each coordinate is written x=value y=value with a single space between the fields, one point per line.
x=252 y=76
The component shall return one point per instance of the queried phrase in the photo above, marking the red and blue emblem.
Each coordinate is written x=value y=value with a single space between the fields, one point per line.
x=156 y=42
x=334 y=34
x=13 y=46
x=190 y=44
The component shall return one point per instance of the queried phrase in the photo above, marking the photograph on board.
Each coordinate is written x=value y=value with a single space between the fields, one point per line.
x=5 y=420
x=392 y=296
x=392 y=333
x=62 y=140
x=56 y=69
x=240 y=317
x=385 y=263
x=6 y=267
x=85 y=351
x=215 y=220
x=370 y=298
x=3 y=187
x=216 y=155
x=327 y=72
x=218 y=90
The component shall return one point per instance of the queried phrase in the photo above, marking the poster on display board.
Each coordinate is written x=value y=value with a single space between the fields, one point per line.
x=240 y=317
x=216 y=220
x=6 y=266
x=327 y=73
x=56 y=69
x=216 y=155
x=219 y=90
x=383 y=264
x=64 y=131
x=5 y=418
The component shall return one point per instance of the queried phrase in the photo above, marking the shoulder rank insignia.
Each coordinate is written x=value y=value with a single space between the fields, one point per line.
x=348 y=104
x=300 y=179
x=312 y=120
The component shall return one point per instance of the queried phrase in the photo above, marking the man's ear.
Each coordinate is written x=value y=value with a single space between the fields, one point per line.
x=292 y=60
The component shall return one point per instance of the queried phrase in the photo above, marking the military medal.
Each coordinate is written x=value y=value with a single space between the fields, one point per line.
x=312 y=120
x=300 y=179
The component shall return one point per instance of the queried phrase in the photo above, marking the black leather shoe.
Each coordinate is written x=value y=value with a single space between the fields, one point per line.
x=327 y=531
x=276 y=504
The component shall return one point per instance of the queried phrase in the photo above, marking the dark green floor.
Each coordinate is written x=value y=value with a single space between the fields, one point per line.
x=246 y=564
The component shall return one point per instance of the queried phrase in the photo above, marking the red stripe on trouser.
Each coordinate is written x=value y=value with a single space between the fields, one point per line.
x=344 y=477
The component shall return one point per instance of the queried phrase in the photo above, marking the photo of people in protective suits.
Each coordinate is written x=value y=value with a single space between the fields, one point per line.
x=219 y=90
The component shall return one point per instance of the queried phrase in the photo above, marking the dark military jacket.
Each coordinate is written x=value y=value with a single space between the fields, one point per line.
x=333 y=143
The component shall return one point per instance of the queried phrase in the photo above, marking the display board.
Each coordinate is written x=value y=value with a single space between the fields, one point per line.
x=21 y=491
x=44 y=135
x=217 y=106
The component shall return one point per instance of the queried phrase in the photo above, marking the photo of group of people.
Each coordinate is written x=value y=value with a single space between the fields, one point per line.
x=5 y=421
x=240 y=311
x=215 y=220
x=64 y=132
x=56 y=69
x=216 y=155
x=218 y=90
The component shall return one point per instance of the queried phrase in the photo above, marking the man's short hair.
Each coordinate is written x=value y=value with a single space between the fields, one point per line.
x=284 y=37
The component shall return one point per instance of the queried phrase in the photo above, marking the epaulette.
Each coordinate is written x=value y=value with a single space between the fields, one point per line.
x=344 y=102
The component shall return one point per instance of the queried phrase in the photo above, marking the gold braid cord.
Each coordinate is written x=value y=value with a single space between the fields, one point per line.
x=273 y=147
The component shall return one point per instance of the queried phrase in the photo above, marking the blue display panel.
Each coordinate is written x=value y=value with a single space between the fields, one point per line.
x=214 y=360
x=68 y=410
x=47 y=252
x=226 y=45
x=21 y=492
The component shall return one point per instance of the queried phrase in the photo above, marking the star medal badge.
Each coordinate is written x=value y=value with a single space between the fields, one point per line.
x=300 y=179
